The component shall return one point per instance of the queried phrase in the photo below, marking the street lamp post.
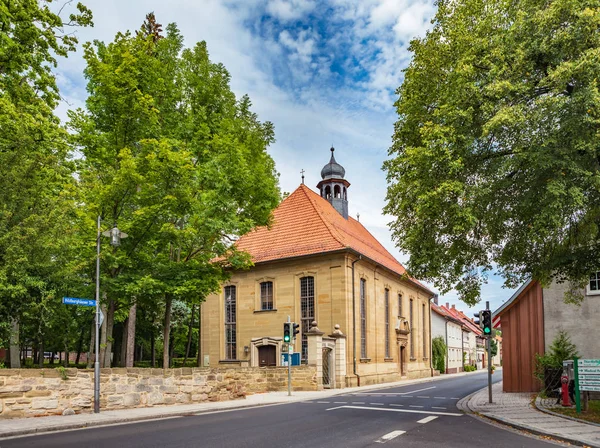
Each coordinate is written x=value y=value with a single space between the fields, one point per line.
x=115 y=239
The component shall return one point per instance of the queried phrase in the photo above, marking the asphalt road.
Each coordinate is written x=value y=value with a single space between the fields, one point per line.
x=423 y=415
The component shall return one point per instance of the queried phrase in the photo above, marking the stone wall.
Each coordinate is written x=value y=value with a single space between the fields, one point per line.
x=41 y=392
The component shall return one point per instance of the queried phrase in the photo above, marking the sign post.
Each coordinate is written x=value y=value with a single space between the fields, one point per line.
x=290 y=351
x=587 y=378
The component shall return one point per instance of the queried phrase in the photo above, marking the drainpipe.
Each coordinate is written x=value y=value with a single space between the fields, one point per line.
x=430 y=339
x=448 y=349
x=354 y=322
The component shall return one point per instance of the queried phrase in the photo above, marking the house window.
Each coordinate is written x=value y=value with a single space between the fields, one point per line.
x=400 y=305
x=424 y=334
x=363 y=318
x=593 y=287
x=412 y=333
x=230 y=323
x=387 y=323
x=307 y=309
x=266 y=296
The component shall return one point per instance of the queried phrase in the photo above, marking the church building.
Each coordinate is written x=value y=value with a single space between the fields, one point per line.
x=315 y=263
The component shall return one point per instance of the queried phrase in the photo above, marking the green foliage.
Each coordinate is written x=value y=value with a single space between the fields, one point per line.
x=439 y=351
x=62 y=372
x=494 y=159
x=561 y=349
x=494 y=347
x=469 y=368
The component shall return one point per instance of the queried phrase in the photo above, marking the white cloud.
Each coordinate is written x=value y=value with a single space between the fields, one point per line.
x=289 y=9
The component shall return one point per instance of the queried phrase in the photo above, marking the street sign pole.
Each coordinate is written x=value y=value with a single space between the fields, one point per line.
x=289 y=358
x=489 y=351
x=97 y=348
x=577 y=393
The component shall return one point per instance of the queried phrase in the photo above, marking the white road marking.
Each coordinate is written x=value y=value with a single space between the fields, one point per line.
x=427 y=419
x=437 y=407
x=441 y=398
x=323 y=402
x=344 y=402
x=421 y=396
x=399 y=405
x=410 y=411
x=454 y=398
x=377 y=404
x=389 y=436
x=358 y=402
x=396 y=393
x=413 y=406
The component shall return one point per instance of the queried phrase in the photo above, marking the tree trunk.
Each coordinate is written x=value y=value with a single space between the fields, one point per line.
x=167 y=330
x=41 y=354
x=199 y=355
x=110 y=323
x=131 y=335
x=153 y=347
x=15 y=359
x=123 y=347
x=189 y=341
x=103 y=336
x=80 y=345
x=92 y=350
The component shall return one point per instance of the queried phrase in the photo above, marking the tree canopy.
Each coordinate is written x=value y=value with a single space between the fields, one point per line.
x=496 y=153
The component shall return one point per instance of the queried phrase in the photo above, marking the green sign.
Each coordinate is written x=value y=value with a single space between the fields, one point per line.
x=588 y=362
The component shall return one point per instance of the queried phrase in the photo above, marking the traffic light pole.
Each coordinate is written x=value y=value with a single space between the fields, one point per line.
x=289 y=358
x=489 y=351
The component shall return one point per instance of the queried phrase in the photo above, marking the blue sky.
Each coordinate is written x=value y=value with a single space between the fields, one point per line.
x=323 y=71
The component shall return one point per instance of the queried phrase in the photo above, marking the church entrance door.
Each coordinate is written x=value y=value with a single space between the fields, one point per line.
x=267 y=356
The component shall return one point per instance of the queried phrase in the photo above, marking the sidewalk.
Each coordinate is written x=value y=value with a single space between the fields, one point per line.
x=25 y=426
x=518 y=411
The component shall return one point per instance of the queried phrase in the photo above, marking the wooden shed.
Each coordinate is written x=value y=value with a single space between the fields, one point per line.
x=522 y=324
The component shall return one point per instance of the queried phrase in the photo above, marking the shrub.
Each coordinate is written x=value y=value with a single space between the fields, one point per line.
x=439 y=353
x=561 y=349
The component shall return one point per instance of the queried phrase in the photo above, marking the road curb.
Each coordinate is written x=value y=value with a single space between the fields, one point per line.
x=535 y=431
x=541 y=408
x=463 y=405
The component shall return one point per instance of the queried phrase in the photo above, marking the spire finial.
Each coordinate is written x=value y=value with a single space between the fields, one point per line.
x=332 y=149
x=302 y=172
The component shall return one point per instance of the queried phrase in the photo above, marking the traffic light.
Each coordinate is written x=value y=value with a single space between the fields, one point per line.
x=478 y=318
x=287 y=332
x=296 y=331
x=486 y=322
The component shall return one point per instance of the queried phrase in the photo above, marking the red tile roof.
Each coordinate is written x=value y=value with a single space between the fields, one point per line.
x=457 y=314
x=306 y=224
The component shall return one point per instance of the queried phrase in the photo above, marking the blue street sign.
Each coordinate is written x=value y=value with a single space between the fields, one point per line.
x=80 y=302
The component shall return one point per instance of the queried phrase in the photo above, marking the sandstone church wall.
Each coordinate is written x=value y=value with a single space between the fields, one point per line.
x=34 y=393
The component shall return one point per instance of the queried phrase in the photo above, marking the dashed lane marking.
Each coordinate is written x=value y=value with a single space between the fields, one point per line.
x=413 y=406
x=323 y=402
x=437 y=407
x=440 y=398
x=377 y=404
x=427 y=419
x=421 y=396
x=399 y=405
x=409 y=411
x=389 y=436
x=340 y=402
x=358 y=402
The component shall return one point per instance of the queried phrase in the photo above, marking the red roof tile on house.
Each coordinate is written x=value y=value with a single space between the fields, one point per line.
x=464 y=319
x=306 y=224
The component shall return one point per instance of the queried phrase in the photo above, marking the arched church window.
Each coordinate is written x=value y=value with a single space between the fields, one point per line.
x=327 y=192
x=345 y=194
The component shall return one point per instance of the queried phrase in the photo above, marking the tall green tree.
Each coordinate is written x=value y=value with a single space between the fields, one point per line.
x=174 y=159
x=36 y=183
x=495 y=157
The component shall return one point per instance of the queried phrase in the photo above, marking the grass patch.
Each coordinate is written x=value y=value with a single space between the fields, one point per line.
x=592 y=415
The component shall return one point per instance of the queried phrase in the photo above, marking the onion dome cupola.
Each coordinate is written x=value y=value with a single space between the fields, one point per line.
x=333 y=187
